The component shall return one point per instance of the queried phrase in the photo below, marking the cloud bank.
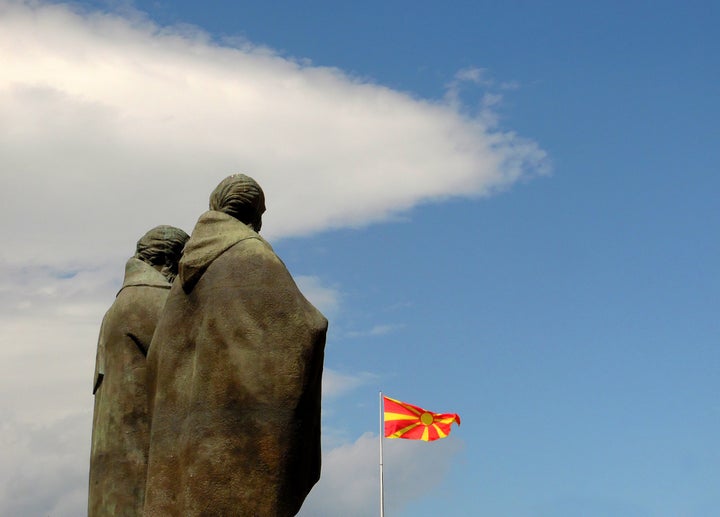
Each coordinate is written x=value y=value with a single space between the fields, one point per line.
x=110 y=125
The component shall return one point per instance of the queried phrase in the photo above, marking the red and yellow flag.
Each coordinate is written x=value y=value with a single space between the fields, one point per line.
x=404 y=420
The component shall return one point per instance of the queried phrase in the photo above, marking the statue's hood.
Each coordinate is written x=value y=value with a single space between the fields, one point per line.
x=214 y=233
x=139 y=273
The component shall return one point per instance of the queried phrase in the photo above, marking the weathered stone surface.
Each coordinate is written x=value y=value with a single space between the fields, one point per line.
x=118 y=458
x=235 y=372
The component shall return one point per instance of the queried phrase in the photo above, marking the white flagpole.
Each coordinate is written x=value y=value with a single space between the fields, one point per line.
x=382 y=433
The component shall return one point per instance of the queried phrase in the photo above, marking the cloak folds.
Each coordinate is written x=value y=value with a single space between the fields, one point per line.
x=235 y=372
x=118 y=457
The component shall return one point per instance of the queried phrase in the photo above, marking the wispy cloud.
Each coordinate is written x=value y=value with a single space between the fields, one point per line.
x=377 y=330
x=485 y=111
x=336 y=384
x=471 y=75
x=327 y=299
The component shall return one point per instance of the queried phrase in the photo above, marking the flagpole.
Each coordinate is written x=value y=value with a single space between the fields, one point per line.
x=382 y=432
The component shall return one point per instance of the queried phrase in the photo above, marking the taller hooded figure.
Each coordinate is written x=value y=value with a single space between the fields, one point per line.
x=235 y=371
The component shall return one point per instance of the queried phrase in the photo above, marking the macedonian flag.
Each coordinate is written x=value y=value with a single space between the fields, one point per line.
x=404 y=420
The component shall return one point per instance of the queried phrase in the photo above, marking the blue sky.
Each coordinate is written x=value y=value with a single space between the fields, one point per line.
x=507 y=210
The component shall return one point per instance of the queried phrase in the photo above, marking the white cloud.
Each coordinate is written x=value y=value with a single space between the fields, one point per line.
x=111 y=125
x=350 y=483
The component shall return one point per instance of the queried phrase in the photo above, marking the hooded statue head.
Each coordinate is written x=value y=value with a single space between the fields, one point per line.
x=162 y=248
x=240 y=197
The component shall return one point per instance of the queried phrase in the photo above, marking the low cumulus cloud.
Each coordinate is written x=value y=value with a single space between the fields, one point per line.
x=350 y=484
x=110 y=125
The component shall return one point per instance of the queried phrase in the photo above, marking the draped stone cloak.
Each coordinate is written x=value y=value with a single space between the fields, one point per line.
x=235 y=373
x=120 y=435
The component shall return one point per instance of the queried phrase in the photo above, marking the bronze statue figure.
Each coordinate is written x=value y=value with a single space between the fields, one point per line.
x=234 y=373
x=118 y=458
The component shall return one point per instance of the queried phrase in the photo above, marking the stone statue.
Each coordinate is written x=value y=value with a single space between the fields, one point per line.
x=235 y=372
x=118 y=457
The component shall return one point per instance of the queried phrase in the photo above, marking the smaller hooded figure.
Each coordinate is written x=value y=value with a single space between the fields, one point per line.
x=235 y=371
x=118 y=457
